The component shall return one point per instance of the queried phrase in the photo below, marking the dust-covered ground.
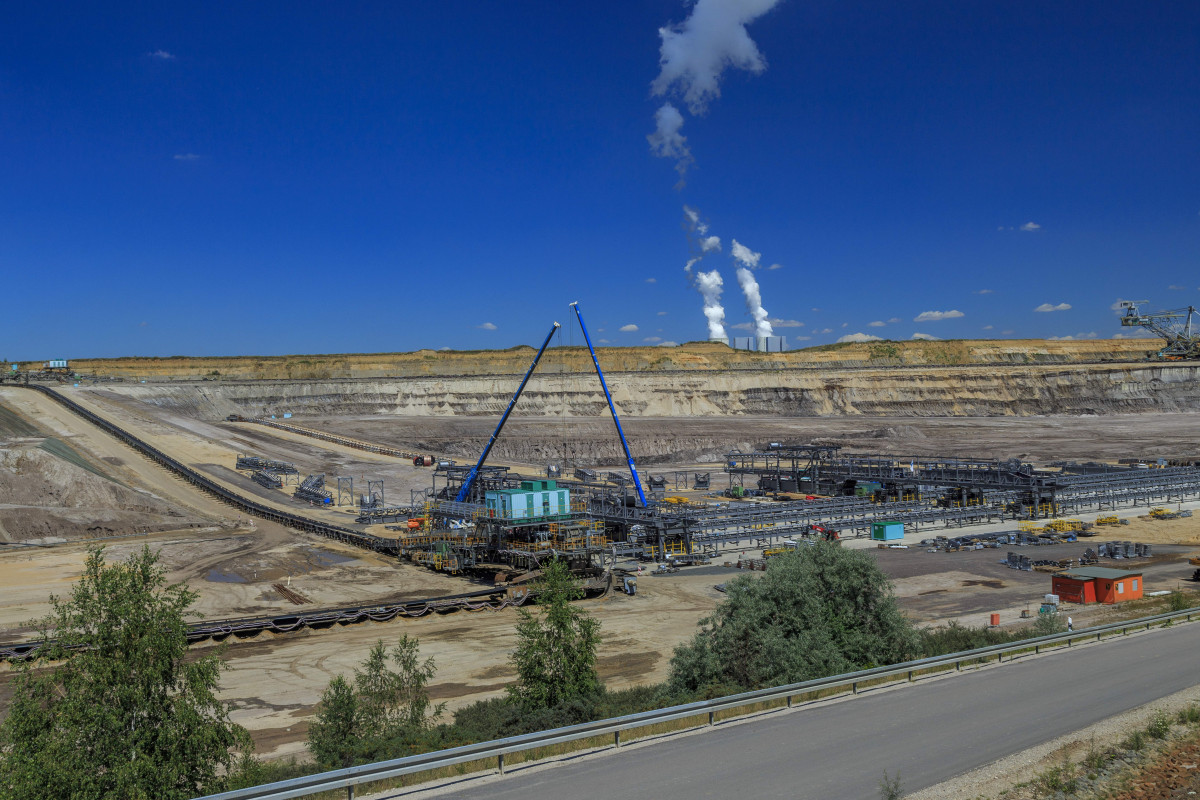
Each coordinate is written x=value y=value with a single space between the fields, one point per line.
x=55 y=486
x=275 y=680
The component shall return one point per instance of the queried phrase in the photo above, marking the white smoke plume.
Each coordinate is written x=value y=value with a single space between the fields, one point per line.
x=749 y=260
x=698 y=233
x=667 y=141
x=710 y=285
x=744 y=254
x=692 y=57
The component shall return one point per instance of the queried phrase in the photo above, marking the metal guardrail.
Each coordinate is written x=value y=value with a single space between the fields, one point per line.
x=351 y=777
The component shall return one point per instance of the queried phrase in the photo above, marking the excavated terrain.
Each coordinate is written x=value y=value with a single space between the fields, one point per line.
x=888 y=392
x=52 y=490
x=682 y=408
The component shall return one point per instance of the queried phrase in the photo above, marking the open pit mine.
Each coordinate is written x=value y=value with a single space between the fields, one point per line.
x=306 y=497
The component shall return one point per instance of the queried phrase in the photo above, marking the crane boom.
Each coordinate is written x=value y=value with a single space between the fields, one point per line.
x=628 y=456
x=1175 y=328
x=465 y=491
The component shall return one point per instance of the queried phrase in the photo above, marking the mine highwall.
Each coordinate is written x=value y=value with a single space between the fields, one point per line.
x=894 y=392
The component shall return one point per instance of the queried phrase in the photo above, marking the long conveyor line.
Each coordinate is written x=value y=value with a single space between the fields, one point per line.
x=486 y=599
x=329 y=530
x=483 y=600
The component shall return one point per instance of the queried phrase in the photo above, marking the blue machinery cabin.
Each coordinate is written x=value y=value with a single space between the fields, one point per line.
x=533 y=501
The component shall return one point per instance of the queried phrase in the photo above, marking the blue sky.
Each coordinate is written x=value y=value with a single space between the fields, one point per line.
x=233 y=178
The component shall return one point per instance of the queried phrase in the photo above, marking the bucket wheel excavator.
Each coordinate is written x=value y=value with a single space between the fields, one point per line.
x=1174 y=327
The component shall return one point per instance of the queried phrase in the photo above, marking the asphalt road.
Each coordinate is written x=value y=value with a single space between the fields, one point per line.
x=930 y=731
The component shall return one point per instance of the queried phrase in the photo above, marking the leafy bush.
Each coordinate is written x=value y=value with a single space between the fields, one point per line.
x=1160 y=725
x=501 y=717
x=1179 y=601
x=890 y=788
x=1135 y=741
x=817 y=611
x=1047 y=625
x=1188 y=715
x=1096 y=760
x=956 y=637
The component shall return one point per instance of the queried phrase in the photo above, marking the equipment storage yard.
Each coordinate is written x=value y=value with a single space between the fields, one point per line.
x=246 y=566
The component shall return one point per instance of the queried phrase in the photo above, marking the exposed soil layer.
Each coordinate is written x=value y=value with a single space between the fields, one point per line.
x=52 y=490
x=967 y=391
x=564 y=356
x=235 y=563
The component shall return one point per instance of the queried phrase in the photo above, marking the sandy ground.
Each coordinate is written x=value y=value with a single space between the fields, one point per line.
x=274 y=680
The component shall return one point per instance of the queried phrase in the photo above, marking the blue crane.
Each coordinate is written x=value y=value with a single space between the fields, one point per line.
x=628 y=457
x=465 y=491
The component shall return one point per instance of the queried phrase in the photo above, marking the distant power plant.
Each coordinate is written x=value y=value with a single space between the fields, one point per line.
x=758 y=344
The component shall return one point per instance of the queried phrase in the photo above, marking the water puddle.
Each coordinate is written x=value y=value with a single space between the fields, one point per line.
x=325 y=558
x=218 y=576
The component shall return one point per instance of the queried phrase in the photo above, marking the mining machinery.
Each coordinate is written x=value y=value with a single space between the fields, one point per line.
x=1175 y=327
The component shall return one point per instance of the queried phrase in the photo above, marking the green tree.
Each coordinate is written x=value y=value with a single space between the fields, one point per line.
x=333 y=734
x=125 y=713
x=381 y=714
x=556 y=648
x=817 y=611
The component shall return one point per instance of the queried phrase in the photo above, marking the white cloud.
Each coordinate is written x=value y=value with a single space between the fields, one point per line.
x=186 y=157
x=651 y=280
x=742 y=326
x=630 y=328
x=825 y=330
x=987 y=327
x=801 y=338
x=785 y=323
x=934 y=316
x=1060 y=338
x=775 y=266
x=1088 y=335
x=696 y=51
x=926 y=337
x=876 y=324
x=487 y=326
x=652 y=339
x=1007 y=333
x=1030 y=227
x=162 y=55
x=662 y=313
x=845 y=324
x=1046 y=307
x=984 y=291
x=858 y=337
x=668 y=344
x=894 y=320
x=1175 y=288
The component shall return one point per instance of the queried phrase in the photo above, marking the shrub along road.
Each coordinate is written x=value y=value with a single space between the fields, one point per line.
x=930 y=732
